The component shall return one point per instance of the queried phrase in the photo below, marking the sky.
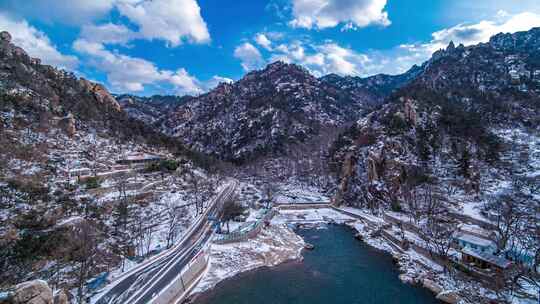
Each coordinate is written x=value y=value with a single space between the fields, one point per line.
x=148 y=47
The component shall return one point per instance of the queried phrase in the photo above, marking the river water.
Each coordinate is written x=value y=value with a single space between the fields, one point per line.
x=340 y=270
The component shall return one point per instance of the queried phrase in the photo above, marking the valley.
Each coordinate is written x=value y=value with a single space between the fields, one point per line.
x=116 y=198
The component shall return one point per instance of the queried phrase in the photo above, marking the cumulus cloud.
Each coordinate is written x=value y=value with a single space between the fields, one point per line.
x=249 y=56
x=263 y=41
x=72 y=12
x=36 y=43
x=481 y=32
x=107 y=33
x=330 y=57
x=469 y=34
x=171 y=20
x=322 y=59
x=330 y=13
x=126 y=73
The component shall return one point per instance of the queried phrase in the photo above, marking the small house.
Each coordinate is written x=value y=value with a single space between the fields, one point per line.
x=79 y=172
x=536 y=75
x=139 y=158
x=514 y=76
x=511 y=59
x=484 y=260
x=474 y=242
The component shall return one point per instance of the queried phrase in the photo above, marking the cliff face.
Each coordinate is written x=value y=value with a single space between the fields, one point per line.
x=57 y=98
x=449 y=127
x=56 y=89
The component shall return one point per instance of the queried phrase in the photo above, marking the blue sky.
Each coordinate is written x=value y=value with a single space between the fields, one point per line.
x=188 y=46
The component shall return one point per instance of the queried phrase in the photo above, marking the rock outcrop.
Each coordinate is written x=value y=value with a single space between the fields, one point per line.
x=61 y=298
x=450 y=297
x=33 y=292
x=5 y=36
x=68 y=125
x=100 y=93
x=432 y=286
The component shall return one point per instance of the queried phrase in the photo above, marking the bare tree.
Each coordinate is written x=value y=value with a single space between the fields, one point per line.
x=122 y=237
x=200 y=190
x=85 y=253
x=438 y=238
x=270 y=190
x=231 y=209
x=144 y=228
x=175 y=215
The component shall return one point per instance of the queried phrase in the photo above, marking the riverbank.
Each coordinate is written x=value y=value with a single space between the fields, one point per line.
x=278 y=244
x=340 y=270
x=274 y=245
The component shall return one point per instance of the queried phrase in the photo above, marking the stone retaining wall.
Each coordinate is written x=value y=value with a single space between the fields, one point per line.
x=244 y=236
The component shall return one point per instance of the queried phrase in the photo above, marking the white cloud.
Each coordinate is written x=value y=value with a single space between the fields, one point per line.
x=481 y=32
x=174 y=21
x=468 y=34
x=249 y=55
x=126 y=73
x=107 y=33
x=324 y=58
x=183 y=82
x=477 y=10
x=329 y=57
x=71 y=12
x=330 y=13
x=263 y=41
x=36 y=43
x=215 y=81
x=171 y=20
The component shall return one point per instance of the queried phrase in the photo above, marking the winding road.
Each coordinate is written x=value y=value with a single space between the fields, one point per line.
x=143 y=283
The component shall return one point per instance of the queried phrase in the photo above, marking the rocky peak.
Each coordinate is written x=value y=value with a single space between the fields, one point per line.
x=526 y=40
x=5 y=36
x=278 y=73
x=100 y=93
x=450 y=46
x=374 y=88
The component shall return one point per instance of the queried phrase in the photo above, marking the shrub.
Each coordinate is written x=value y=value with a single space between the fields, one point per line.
x=395 y=123
x=169 y=164
x=395 y=206
x=33 y=189
x=164 y=165
x=93 y=182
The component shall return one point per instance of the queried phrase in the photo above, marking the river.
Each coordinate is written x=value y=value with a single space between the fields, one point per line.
x=340 y=270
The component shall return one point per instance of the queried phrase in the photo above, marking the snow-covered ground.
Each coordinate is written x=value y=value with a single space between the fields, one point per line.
x=272 y=246
x=310 y=216
x=297 y=194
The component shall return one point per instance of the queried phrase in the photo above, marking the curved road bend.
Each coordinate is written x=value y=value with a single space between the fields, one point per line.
x=142 y=285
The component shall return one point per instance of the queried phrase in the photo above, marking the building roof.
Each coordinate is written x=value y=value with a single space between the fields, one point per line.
x=79 y=170
x=469 y=238
x=487 y=257
x=474 y=230
x=140 y=156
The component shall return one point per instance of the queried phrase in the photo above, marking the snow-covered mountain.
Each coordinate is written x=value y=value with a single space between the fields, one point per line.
x=150 y=110
x=265 y=111
x=262 y=113
x=373 y=89
x=458 y=125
